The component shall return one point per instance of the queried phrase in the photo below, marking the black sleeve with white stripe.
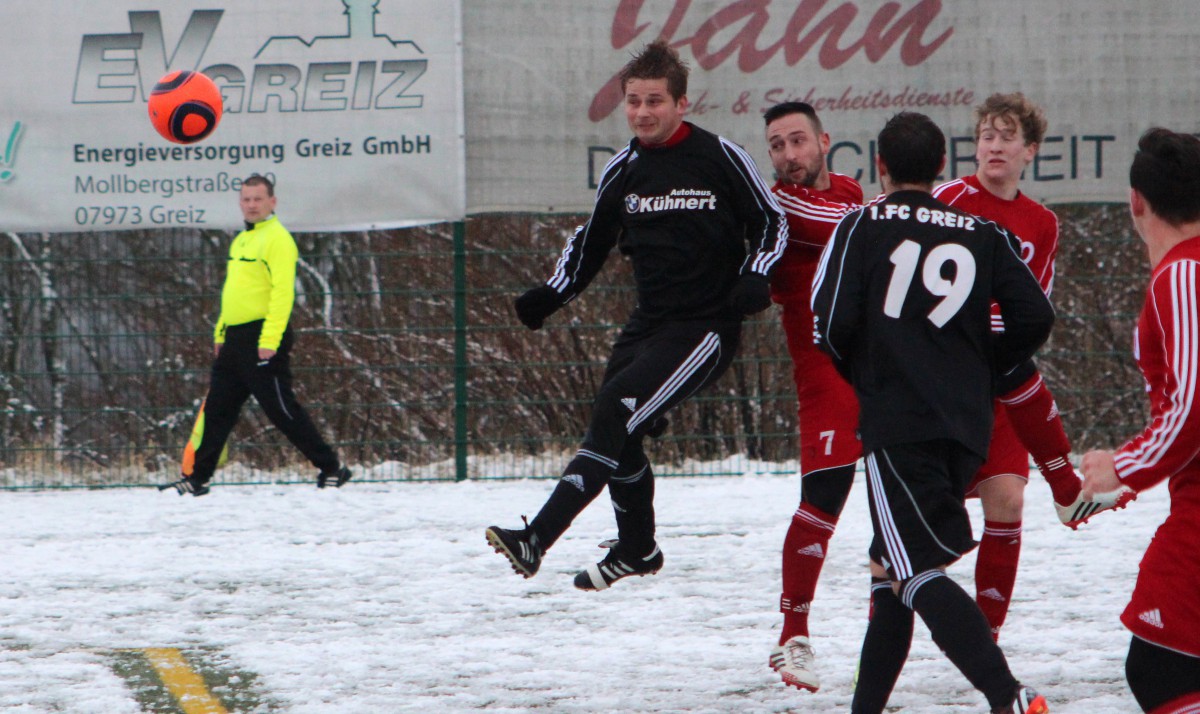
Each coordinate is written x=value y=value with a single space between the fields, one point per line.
x=588 y=248
x=837 y=296
x=766 y=224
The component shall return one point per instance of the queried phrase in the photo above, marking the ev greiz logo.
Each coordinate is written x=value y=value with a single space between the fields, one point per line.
x=333 y=78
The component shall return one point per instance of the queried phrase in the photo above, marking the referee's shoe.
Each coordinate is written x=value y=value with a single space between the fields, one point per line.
x=336 y=478
x=186 y=485
x=616 y=565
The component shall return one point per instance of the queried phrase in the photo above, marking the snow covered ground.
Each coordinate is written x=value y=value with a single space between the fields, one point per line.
x=386 y=598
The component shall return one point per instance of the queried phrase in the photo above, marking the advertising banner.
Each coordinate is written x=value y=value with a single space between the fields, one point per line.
x=544 y=107
x=384 y=113
x=353 y=107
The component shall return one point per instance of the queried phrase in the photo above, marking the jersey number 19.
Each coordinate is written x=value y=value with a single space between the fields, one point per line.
x=953 y=291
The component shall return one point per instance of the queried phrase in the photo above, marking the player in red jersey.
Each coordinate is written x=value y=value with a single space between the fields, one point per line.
x=814 y=200
x=1008 y=132
x=1163 y=666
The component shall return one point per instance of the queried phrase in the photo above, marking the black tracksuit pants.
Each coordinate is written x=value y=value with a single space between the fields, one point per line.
x=237 y=374
x=653 y=368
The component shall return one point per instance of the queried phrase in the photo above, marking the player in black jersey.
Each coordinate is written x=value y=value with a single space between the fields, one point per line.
x=683 y=204
x=902 y=299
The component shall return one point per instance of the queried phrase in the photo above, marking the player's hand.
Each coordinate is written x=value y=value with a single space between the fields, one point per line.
x=264 y=356
x=751 y=294
x=536 y=305
x=217 y=349
x=1099 y=473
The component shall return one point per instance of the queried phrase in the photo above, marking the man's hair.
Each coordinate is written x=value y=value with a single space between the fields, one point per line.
x=1016 y=107
x=260 y=180
x=786 y=108
x=1166 y=171
x=658 y=60
x=912 y=147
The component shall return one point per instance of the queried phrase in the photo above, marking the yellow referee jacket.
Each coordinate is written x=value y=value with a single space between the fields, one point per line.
x=260 y=282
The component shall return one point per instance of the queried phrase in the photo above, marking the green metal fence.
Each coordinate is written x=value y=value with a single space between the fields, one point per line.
x=411 y=361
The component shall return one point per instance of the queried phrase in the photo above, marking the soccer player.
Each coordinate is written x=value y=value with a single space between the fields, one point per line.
x=1163 y=666
x=814 y=199
x=902 y=300
x=681 y=203
x=1008 y=132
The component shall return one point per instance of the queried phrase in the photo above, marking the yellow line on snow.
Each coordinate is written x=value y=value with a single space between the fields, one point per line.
x=182 y=682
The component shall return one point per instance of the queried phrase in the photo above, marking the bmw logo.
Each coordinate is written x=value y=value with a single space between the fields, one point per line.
x=631 y=203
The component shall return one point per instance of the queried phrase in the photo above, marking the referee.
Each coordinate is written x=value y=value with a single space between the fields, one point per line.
x=902 y=299
x=252 y=343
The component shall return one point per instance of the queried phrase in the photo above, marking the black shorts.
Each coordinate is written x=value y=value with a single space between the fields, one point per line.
x=916 y=495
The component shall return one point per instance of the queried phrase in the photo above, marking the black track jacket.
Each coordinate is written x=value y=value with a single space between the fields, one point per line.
x=683 y=213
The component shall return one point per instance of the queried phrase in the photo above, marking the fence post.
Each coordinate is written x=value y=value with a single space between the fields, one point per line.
x=460 y=351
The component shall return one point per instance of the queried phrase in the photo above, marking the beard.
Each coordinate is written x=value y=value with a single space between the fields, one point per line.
x=807 y=173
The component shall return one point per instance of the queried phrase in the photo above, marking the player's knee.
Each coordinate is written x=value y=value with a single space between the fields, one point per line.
x=1008 y=383
x=878 y=572
x=907 y=589
x=607 y=431
x=1003 y=498
x=607 y=406
x=633 y=465
x=630 y=473
x=827 y=489
x=613 y=408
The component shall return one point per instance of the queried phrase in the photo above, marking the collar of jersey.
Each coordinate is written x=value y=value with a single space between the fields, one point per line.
x=683 y=132
x=251 y=226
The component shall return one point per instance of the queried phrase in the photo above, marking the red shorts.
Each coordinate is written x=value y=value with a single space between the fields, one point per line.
x=828 y=408
x=1165 y=606
x=1006 y=455
x=828 y=417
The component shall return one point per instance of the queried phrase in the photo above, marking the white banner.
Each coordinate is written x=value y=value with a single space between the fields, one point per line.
x=354 y=107
x=544 y=112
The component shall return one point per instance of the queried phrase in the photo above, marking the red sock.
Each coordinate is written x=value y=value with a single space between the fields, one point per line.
x=1187 y=704
x=803 y=555
x=1034 y=416
x=996 y=570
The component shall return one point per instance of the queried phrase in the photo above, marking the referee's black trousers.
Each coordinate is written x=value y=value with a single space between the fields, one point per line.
x=237 y=374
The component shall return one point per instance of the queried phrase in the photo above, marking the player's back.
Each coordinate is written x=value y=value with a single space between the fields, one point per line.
x=906 y=289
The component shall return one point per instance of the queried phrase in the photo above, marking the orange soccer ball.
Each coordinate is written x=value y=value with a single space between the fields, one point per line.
x=185 y=106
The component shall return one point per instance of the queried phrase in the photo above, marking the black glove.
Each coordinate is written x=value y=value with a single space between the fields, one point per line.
x=536 y=305
x=750 y=294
